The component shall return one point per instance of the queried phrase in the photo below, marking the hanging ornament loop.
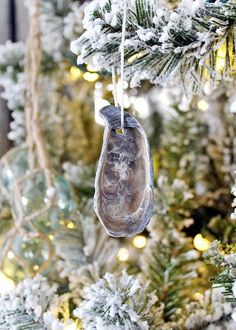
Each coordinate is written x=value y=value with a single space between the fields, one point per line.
x=35 y=134
x=122 y=79
x=122 y=63
x=114 y=86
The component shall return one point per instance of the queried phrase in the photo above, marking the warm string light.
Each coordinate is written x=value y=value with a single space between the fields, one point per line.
x=123 y=254
x=203 y=105
x=75 y=73
x=71 y=225
x=51 y=237
x=140 y=241
x=197 y=296
x=200 y=243
x=90 y=76
x=10 y=255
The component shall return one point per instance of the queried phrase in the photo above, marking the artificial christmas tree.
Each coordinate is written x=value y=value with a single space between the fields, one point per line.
x=66 y=272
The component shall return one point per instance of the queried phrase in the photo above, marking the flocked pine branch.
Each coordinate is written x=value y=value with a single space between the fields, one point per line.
x=210 y=312
x=12 y=80
x=116 y=303
x=80 y=175
x=160 y=42
x=28 y=306
x=224 y=257
x=85 y=250
x=233 y=215
x=170 y=266
x=172 y=208
x=198 y=148
x=183 y=145
x=60 y=22
x=170 y=263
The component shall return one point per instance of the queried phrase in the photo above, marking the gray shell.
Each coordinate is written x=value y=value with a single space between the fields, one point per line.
x=123 y=198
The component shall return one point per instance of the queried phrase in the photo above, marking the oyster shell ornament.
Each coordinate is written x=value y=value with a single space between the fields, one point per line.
x=123 y=198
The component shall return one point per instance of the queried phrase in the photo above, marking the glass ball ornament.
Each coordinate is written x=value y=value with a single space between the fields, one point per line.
x=35 y=206
x=64 y=195
x=13 y=166
x=12 y=269
x=33 y=254
x=47 y=222
x=31 y=194
x=40 y=206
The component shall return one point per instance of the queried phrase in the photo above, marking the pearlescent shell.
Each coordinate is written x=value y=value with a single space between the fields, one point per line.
x=123 y=198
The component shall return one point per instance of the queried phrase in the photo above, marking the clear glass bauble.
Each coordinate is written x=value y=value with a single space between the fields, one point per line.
x=42 y=208
x=13 y=166
x=33 y=254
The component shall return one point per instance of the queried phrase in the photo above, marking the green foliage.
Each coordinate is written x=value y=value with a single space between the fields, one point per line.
x=116 y=303
x=85 y=251
x=183 y=146
x=27 y=307
x=171 y=272
x=19 y=320
x=224 y=258
x=170 y=263
x=225 y=280
x=160 y=41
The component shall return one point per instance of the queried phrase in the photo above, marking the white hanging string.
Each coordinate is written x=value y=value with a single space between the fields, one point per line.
x=122 y=52
x=114 y=86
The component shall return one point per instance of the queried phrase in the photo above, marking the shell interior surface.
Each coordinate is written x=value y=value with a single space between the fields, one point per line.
x=123 y=186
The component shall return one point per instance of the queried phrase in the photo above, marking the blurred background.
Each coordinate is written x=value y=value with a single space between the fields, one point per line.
x=13 y=26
